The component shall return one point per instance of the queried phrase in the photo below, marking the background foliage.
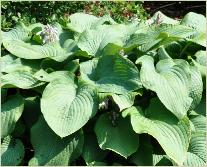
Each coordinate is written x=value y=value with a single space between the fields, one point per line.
x=32 y=12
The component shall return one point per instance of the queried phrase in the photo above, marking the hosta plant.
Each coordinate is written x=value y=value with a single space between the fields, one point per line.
x=96 y=92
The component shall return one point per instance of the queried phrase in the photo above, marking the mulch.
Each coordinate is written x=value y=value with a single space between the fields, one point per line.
x=175 y=9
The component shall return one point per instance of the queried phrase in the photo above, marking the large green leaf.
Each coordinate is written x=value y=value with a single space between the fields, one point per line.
x=66 y=106
x=48 y=77
x=155 y=36
x=194 y=20
x=201 y=108
x=118 y=136
x=199 y=123
x=19 y=72
x=79 y=22
x=12 y=151
x=164 y=127
x=11 y=111
x=93 y=41
x=50 y=149
x=111 y=73
x=197 y=150
x=124 y=100
x=199 y=38
x=91 y=150
x=196 y=89
x=17 y=42
x=170 y=81
x=197 y=22
x=24 y=80
x=11 y=63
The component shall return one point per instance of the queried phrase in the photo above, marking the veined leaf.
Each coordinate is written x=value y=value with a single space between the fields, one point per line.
x=155 y=36
x=171 y=83
x=12 y=151
x=199 y=123
x=7 y=61
x=164 y=127
x=48 y=77
x=197 y=150
x=19 y=72
x=11 y=63
x=124 y=100
x=24 y=80
x=79 y=22
x=50 y=149
x=162 y=53
x=197 y=22
x=67 y=107
x=200 y=62
x=119 y=137
x=194 y=20
x=199 y=38
x=201 y=108
x=93 y=41
x=196 y=89
x=11 y=111
x=111 y=73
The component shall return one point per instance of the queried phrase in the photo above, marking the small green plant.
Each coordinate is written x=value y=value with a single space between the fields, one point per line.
x=96 y=92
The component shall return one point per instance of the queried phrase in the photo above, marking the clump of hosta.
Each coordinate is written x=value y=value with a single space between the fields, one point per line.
x=84 y=98
x=49 y=34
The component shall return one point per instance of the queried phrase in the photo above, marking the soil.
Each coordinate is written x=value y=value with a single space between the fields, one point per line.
x=175 y=9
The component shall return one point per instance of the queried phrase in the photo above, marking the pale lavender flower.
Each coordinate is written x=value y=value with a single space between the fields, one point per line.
x=49 y=34
x=158 y=19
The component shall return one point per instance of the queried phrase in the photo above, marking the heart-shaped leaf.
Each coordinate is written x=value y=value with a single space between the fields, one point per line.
x=164 y=127
x=117 y=136
x=67 y=107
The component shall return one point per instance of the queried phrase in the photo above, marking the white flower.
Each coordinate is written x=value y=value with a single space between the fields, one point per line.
x=104 y=104
x=158 y=19
x=121 y=53
x=135 y=19
x=149 y=22
x=49 y=34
